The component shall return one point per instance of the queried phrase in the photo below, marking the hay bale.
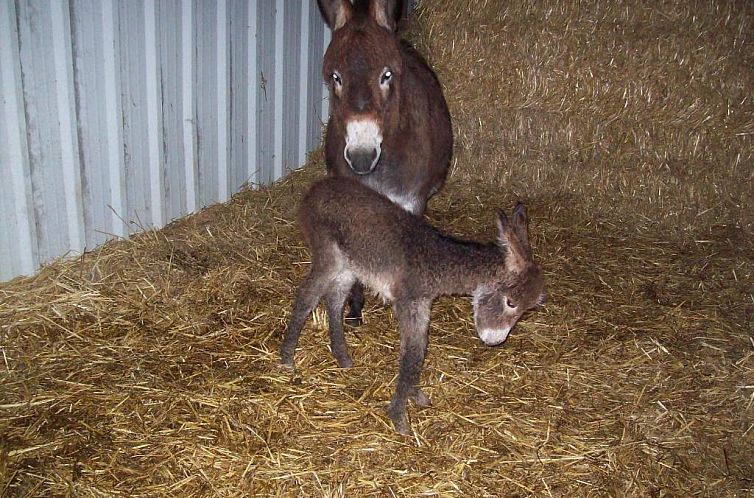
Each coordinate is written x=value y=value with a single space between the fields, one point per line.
x=149 y=366
x=622 y=106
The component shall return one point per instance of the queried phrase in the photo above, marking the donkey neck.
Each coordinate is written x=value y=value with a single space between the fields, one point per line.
x=462 y=266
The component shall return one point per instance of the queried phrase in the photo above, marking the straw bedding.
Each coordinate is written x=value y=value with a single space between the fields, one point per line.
x=148 y=367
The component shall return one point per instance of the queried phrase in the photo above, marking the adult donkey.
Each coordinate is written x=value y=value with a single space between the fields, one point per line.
x=389 y=124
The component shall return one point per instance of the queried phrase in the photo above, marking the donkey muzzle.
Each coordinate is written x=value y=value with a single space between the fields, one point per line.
x=362 y=161
x=363 y=145
x=494 y=337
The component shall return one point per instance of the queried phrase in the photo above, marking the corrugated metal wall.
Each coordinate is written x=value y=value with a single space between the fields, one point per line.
x=119 y=115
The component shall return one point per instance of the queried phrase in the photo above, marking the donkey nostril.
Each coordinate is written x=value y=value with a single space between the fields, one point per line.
x=362 y=162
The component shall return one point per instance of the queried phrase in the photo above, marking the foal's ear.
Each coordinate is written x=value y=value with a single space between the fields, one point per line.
x=503 y=228
x=385 y=13
x=508 y=237
x=336 y=12
x=521 y=226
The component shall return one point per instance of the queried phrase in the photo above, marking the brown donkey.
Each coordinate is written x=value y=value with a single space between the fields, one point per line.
x=409 y=263
x=389 y=124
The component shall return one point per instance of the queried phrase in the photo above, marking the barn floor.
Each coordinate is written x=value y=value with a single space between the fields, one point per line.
x=148 y=367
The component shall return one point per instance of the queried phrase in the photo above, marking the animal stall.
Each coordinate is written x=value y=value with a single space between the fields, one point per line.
x=150 y=366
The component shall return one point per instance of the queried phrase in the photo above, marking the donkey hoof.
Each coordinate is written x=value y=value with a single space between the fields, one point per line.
x=345 y=362
x=400 y=421
x=402 y=426
x=421 y=399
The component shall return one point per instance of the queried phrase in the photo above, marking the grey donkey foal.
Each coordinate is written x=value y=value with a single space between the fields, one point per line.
x=356 y=233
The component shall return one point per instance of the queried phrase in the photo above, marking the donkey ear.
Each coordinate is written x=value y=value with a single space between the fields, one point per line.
x=515 y=256
x=385 y=13
x=519 y=213
x=503 y=228
x=336 y=12
x=521 y=226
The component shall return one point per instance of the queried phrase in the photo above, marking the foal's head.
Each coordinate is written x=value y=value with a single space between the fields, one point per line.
x=363 y=67
x=520 y=287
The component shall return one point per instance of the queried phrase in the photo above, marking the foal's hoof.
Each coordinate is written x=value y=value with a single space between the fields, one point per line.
x=345 y=362
x=421 y=399
x=286 y=355
x=400 y=421
x=402 y=427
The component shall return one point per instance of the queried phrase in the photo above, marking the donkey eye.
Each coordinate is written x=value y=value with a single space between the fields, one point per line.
x=387 y=75
x=336 y=78
x=509 y=303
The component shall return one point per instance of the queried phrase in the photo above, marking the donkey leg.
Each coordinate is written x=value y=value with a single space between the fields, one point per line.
x=413 y=323
x=307 y=298
x=336 y=299
x=355 y=305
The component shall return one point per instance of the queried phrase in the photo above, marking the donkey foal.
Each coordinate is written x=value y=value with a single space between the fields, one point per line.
x=356 y=233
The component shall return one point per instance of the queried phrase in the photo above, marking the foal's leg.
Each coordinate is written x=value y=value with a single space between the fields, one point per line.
x=307 y=297
x=413 y=324
x=355 y=305
x=336 y=299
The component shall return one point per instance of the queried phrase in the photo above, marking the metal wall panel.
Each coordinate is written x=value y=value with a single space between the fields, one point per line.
x=317 y=104
x=121 y=115
x=92 y=114
x=18 y=237
x=239 y=95
x=46 y=77
x=263 y=80
x=136 y=115
x=289 y=79
x=171 y=83
x=207 y=112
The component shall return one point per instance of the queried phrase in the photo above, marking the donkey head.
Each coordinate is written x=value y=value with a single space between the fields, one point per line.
x=363 y=67
x=519 y=287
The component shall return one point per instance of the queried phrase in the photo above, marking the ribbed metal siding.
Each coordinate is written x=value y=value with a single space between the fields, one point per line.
x=119 y=115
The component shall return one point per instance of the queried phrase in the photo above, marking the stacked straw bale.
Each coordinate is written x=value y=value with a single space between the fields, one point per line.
x=148 y=367
x=629 y=106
